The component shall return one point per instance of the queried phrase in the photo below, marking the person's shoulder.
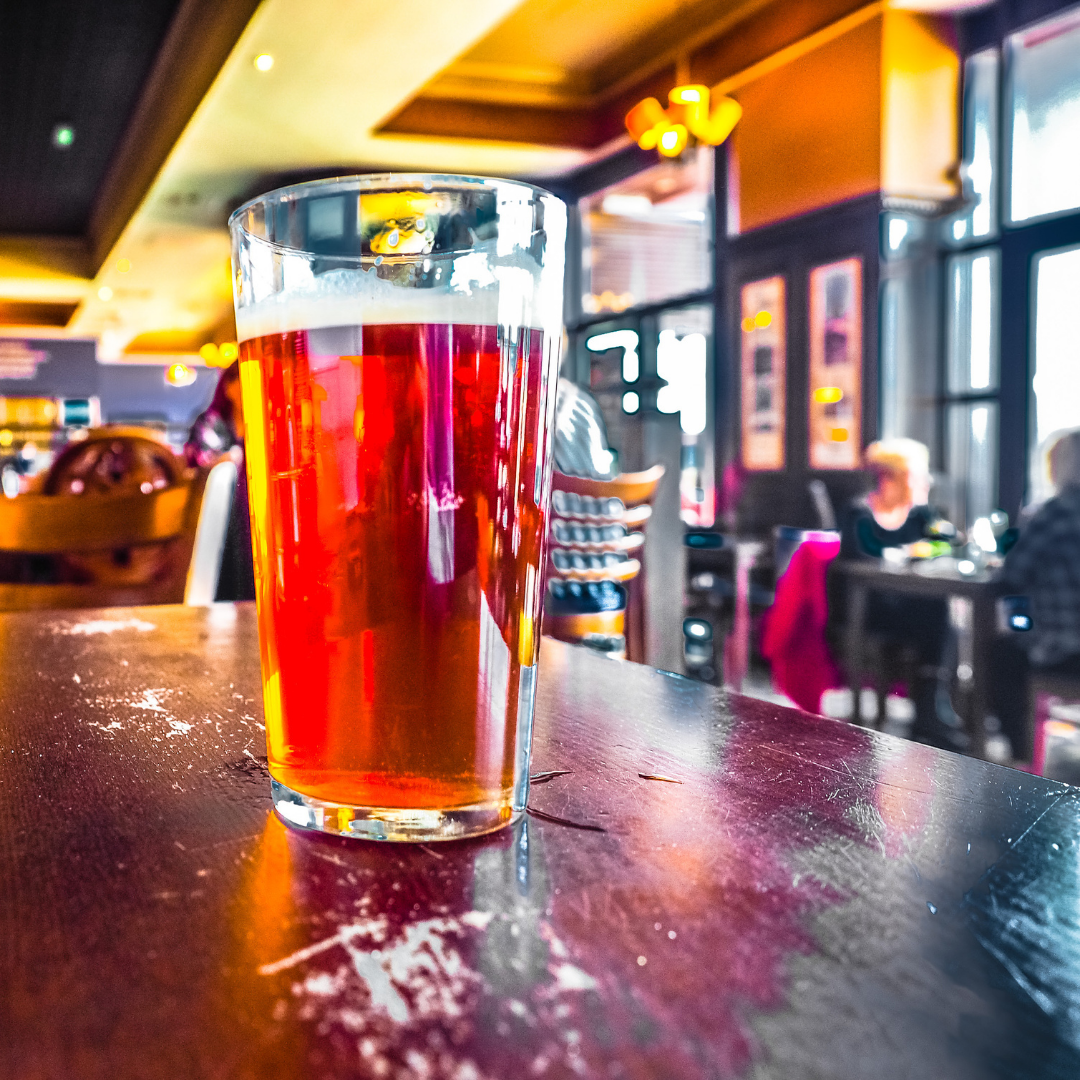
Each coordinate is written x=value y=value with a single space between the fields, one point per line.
x=1061 y=508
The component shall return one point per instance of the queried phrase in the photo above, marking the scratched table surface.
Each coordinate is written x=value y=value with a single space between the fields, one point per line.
x=799 y=898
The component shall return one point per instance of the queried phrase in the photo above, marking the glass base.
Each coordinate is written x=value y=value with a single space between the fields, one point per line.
x=390 y=823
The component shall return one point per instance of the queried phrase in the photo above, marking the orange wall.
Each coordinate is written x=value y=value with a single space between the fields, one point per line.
x=810 y=134
x=872 y=108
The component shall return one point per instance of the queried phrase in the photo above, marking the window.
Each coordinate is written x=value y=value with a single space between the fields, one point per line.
x=1044 y=107
x=972 y=350
x=980 y=147
x=971 y=384
x=682 y=361
x=1056 y=380
x=971 y=459
x=649 y=238
x=627 y=341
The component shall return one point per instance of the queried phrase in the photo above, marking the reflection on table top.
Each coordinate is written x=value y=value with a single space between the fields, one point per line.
x=787 y=896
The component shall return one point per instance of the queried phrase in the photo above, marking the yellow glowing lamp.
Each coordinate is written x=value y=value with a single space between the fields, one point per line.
x=763 y=318
x=715 y=126
x=673 y=140
x=688 y=105
x=642 y=119
x=179 y=375
x=228 y=351
x=828 y=395
x=687 y=116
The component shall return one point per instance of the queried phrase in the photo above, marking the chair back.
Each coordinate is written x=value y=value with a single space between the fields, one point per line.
x=787 y=539
x=107 y=550
x=595 y=555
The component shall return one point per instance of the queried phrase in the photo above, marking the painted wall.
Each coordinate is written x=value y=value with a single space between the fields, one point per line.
x=130 y=392
x=867 y=105
x=810 y=133
x=63 y=368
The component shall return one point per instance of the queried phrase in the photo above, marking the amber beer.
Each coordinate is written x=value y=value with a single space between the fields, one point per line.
x=397 y=521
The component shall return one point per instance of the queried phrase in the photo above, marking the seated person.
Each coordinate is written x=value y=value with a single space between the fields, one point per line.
x=218 y=433
x=894 y=514
x=1044 y=566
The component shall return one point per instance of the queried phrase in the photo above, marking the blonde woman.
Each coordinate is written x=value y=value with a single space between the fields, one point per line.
x=894 y=514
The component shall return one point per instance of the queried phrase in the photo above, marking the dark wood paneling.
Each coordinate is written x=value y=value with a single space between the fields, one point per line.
x=758 y=37
x=793 y=248
x=986 y=27
x=35 y=313
x=733 y=50
x=448 y=119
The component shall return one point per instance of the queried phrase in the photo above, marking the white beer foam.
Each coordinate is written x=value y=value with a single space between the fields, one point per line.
x=481 y=290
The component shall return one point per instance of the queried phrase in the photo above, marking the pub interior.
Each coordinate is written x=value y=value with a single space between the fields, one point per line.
x=808 y=700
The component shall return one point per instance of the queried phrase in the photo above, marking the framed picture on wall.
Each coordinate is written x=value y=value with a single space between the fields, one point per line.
x=836 y=365
x=764 y=367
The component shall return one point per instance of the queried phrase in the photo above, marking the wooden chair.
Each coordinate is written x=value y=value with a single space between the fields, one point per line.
x=147 y=538
x=594 y=563
x=108 y=536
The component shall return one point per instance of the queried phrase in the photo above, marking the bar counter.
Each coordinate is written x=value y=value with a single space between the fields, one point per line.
x=706 y=886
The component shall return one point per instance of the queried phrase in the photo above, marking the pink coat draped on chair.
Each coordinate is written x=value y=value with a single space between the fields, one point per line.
x=793 y=637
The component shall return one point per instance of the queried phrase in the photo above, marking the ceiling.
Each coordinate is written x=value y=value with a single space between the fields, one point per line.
x=570 y=52
x=122 y=236
x=66 y=62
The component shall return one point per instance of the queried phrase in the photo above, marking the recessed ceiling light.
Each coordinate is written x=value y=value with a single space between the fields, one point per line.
x=63 y=135
x=123 y=265
x=105 y=293
x=264 y=61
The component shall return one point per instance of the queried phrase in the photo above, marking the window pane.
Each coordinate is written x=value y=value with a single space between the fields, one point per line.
x=1056 y=380
x=972 y=456
x=649 y=238
x=1044 y=67
x=980 y=145
x=614 y=366
x=973 y=301
x=684 y=362
x=911 y=353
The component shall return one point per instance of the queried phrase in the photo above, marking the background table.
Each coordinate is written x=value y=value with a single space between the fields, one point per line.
x=808 y=900
x=863 y=577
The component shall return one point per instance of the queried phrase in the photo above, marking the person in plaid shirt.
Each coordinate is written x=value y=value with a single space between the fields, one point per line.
x=1044 y=566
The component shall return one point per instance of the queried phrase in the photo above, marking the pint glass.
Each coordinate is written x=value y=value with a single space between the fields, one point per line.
x=399 y=340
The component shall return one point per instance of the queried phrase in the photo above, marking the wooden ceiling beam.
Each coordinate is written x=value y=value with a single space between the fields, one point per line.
x=199 y=39
x=580 y=129
x=763 y=32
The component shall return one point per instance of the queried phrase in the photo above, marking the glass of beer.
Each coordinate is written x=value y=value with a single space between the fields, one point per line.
x=399 y=340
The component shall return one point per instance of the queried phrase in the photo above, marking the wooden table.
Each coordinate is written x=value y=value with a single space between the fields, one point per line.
x=863 y=577
x=800 y=899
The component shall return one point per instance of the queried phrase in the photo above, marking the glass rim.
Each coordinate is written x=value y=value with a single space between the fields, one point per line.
x=385 y=181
